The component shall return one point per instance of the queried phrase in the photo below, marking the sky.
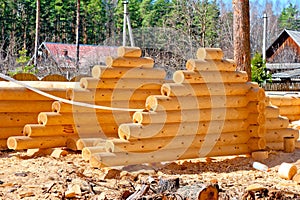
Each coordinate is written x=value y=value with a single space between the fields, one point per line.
x=278 y=4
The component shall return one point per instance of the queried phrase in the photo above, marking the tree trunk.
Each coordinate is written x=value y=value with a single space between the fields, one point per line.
x=242 y=35
x=37 y=27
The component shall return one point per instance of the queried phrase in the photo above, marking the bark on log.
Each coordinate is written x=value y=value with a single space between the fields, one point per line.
x=135 y=52
x=210 y=53
x=178 y=89
x=186 y=76
x=199 y=192
x=176 y=116
x=127 y=73
x=210 y=65
x=130 y=131
x=25 y=77
x=137 y=83
x=144 y=62
x=159 y=102
x=55 y=77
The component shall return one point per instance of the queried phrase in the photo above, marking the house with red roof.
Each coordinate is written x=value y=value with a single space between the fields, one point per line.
x=61 y=58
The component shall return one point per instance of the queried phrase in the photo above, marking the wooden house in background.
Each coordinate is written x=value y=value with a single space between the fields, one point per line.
x=283 y=61
x=59 y=58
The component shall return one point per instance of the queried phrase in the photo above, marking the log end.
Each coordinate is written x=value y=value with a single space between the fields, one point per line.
x=125 y=51
x=12 y=143
x=178 y=77
x=124 y=132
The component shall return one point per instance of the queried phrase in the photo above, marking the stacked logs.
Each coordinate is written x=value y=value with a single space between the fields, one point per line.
x=20 y=106
x=209 y=110
x=124 y=83
x=288 y=104
x=277 y=126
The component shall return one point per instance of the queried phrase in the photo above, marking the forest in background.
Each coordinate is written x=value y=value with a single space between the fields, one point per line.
x=208 y=23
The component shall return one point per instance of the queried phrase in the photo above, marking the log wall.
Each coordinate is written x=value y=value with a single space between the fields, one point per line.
x=209 y=109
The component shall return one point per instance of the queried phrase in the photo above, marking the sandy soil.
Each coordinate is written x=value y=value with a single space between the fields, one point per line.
x=51 y=178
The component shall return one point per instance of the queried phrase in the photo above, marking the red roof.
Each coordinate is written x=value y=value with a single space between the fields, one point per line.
x=86 y=52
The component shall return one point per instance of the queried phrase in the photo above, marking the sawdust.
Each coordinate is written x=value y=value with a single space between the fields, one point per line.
x=53 y=178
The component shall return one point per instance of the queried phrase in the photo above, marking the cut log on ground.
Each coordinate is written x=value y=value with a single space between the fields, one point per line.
x=199 y=192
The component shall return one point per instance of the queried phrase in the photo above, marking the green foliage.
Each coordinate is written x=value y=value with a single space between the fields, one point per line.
x=290 y=18
x=258 y=69
x=22 y=60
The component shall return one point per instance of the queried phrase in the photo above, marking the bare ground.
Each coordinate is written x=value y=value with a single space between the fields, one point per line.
x=51 y=178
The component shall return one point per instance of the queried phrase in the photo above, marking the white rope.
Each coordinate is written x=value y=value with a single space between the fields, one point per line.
x=65 y=100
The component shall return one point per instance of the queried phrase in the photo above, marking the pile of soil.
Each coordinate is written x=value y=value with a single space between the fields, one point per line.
x=70 y=177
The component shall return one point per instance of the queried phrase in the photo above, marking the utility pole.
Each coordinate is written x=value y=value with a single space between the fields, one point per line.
x=264 y=37
x=126 y=20
x=37 y=28
x=77 y=35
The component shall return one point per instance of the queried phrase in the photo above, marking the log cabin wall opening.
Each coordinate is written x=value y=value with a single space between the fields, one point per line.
x=283 y=61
